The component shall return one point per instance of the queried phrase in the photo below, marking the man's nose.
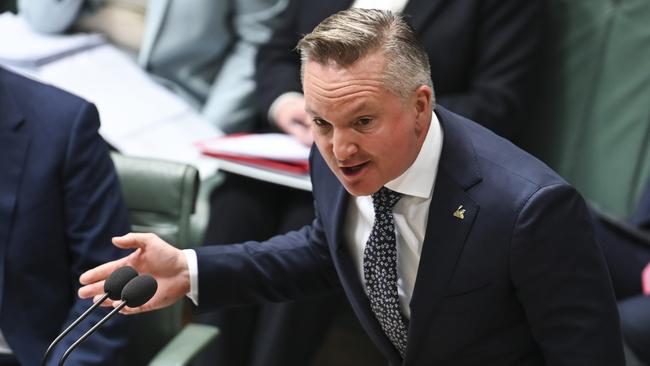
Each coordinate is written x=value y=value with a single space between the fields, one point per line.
x=344 y=146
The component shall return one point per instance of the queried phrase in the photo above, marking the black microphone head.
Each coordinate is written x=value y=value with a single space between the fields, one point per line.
x=117 y=280
x=139 y=290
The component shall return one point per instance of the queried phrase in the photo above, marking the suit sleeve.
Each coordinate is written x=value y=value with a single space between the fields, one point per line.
x=508 y=45
x=231 y=102
x=561 y=279
x=278 y=64
x=94 y=213
x=285 y=267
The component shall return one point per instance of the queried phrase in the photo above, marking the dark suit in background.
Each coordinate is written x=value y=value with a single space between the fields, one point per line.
x=519 y=280
x=60 y=204
x=483 y=57
x=626 y=246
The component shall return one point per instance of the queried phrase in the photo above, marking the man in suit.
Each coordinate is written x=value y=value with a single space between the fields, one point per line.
x=483 y=56
x=453 y=246
x=60 y=203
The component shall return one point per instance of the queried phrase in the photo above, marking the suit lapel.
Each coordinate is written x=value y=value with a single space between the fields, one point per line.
x=447 y=229
x=420 y=12
x=14 y=144
x=156 y=11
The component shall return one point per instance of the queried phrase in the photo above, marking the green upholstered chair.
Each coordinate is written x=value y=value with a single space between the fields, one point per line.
x=161 y=197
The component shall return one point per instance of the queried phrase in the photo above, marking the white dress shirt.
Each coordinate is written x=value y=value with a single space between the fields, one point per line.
x=410 y=214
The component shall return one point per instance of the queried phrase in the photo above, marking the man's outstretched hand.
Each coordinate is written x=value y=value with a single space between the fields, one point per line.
x=152 y=256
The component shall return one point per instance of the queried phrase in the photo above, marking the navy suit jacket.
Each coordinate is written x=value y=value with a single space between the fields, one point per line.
x=483 y=54
x=519 y=281
x=60 y=204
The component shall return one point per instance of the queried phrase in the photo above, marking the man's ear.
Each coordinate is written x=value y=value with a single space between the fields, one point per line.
x=422 y=100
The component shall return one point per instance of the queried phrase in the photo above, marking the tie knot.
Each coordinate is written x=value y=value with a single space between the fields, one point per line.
x=385 y=199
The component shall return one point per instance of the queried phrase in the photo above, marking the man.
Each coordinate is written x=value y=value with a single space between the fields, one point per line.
x=483 y=56
x=468 y=252
x=60 y=203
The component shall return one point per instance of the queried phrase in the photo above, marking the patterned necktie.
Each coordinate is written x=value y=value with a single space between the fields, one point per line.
x=380 y=270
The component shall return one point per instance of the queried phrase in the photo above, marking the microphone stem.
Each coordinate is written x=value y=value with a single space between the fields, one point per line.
x=69 y=328
x=90 y=331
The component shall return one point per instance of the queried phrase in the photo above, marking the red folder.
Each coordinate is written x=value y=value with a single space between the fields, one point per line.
x=294 y=166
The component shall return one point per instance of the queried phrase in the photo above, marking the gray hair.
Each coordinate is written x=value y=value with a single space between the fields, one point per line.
x=350 y=35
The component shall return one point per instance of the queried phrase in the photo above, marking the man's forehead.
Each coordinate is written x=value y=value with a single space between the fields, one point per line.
x=321 y=78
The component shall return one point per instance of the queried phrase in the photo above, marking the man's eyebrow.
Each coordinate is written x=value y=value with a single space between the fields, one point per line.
x=359 y=107
x=310 y=112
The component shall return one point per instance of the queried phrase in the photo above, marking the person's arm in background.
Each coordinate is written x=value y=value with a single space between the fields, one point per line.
x=502 y=79
x=231 y=101
x=94 y=213
x=50 y=16
x=278 y=78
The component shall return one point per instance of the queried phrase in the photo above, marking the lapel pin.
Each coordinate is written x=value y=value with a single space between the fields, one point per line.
x=460 y=212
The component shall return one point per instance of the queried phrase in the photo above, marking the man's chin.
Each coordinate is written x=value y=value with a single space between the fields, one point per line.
x=359 y=189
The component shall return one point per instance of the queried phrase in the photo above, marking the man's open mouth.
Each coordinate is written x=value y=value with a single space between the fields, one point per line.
x=354 y=169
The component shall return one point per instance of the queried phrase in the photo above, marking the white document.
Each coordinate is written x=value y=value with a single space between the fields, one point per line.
x=138 y=116
x=174 y=139
x=20 y=46
x=274 y=146
x=129 y=101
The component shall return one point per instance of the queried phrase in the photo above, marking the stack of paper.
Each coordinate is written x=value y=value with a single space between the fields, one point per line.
x=130 y=103
x=20 y=46
x=272 y=150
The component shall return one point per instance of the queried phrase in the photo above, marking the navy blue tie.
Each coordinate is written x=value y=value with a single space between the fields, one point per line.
x=380 y=270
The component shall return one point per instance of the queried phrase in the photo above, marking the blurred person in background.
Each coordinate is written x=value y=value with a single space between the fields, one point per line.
x=60 y=205
x=204 y=50
x=626 y=246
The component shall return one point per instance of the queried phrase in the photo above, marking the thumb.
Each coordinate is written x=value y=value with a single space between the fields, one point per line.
x=133 y=240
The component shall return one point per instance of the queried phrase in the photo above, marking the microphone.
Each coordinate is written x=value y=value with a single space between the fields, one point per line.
x=136 y=293
x=112 y=289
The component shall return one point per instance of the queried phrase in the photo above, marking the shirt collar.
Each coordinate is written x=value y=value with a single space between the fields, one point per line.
x=418 y=179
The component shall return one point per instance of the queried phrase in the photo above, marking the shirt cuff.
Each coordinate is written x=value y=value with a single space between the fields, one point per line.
x=193 y=268
x=280 y=99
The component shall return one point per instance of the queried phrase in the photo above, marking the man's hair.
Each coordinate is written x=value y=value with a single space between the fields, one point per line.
x=352 y=34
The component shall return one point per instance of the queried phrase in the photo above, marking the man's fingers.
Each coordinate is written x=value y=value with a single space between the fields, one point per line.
x=100 y=273
x=130 y=311
x=133 y=240
x=106 y=303
x=93 y=290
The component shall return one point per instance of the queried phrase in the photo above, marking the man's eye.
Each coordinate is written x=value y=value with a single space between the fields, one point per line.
x=319 y=122
x=364 y=121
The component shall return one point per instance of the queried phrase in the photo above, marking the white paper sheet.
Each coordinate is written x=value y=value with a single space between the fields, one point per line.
x=174 y=139
x=22 y=47
x=128 y=100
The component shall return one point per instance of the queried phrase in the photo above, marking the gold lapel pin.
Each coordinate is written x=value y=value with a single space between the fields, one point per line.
x=460 y=212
